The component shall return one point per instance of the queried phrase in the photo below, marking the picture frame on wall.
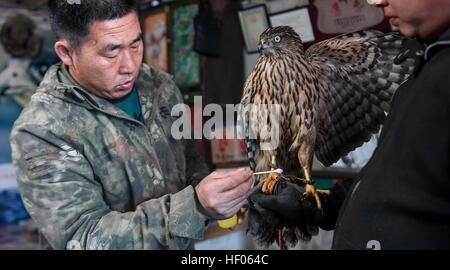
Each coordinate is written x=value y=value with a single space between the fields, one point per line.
x=253 y=20
x=185 y=62
x=335 y=17
x=156 y=50
x=298 y=19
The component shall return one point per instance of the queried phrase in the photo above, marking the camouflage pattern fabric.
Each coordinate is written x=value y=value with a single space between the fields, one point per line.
x=91 y=177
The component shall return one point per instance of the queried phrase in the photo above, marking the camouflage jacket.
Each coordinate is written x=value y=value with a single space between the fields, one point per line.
x=91 y=177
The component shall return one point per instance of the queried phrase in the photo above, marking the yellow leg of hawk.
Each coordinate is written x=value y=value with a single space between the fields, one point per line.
x=310 y=190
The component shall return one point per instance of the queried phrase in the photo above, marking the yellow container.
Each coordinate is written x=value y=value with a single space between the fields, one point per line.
x=228 y=223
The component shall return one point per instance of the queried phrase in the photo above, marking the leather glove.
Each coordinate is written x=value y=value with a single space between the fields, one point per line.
x=288 y=204
x=262 y=223
x=286 y=209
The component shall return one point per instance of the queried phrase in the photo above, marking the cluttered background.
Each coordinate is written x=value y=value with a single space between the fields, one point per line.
x=208 y=46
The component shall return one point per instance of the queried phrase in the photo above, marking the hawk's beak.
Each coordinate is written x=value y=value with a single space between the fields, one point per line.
x=262 y=45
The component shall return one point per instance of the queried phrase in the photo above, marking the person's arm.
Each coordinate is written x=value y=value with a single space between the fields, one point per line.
x=334 y=202
x=218 y=195
x=65 y=200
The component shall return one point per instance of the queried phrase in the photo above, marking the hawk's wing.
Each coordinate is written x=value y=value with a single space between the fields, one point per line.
x=358 y=79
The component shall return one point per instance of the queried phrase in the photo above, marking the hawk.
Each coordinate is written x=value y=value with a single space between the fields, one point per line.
x=328 y=100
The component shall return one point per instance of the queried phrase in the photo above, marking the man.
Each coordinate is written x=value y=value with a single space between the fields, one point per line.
x=96 y=162
x=401 y=198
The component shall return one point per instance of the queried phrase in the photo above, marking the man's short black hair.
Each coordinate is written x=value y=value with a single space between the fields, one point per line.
x=71 y=19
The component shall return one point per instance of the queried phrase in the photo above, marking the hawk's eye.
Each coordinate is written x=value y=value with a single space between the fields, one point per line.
x=277 y=39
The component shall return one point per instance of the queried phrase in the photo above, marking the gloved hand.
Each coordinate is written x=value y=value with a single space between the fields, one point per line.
x=263 y=224
x=287 y=209
x=288 y=204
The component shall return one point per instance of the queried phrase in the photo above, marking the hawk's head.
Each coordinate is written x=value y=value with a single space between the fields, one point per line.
x=279 y=39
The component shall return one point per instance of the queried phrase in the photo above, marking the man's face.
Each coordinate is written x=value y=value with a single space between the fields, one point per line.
x=108 y=63
x=426 y=19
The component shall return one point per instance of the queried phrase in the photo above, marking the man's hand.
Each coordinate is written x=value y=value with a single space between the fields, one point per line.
x=220 y=195
x=288 y=204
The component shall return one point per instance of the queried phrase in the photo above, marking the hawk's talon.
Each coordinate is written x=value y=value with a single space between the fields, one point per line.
x=268 y=184
x=324 y=191
x=312 y=191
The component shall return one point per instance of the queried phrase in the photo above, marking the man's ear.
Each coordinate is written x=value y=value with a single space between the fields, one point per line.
x=65 y=51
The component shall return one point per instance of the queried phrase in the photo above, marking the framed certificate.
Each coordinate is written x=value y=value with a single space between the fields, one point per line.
x=254 y=21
